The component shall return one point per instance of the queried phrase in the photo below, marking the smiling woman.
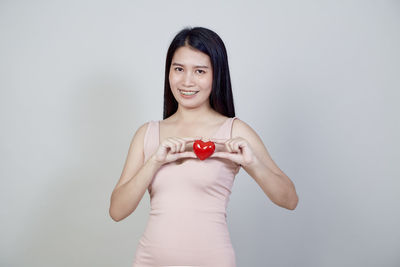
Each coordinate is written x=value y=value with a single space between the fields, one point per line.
x=191 y=76
x=189 y=190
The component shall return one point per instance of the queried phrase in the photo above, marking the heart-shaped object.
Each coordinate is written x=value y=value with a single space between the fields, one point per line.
x=203 y=149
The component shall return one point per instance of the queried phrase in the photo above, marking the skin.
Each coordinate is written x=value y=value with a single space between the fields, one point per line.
x=195 y=119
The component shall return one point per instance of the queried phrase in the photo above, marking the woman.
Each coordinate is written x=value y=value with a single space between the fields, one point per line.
x=189 y=196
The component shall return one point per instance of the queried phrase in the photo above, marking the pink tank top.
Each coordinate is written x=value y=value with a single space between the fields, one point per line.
x=187 y=222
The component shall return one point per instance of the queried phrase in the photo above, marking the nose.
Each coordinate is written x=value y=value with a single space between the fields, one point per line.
x=188 y=79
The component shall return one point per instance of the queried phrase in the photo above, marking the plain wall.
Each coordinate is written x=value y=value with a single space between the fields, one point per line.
x=317 y=80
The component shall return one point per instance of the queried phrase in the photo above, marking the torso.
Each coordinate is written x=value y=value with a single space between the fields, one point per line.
x=170 y=128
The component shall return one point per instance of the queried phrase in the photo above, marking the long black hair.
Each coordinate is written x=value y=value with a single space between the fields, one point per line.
x=208 y=42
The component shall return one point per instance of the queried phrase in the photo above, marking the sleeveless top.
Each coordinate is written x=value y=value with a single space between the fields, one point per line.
x=187 y=222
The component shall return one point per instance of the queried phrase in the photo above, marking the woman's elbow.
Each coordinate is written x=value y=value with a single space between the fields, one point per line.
x=292 y=204
x=114 y=216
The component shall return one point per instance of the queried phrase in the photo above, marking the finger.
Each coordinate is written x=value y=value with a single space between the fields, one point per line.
x=220 y=155
x=242 y=143
x=175 y=145
x=228 y=146
x=219 y=141
x=180 y=144
x=184 y=141
x=225 y=155
x=187 y=154
x=168 y=145
x=187 y=140
x=236 y=147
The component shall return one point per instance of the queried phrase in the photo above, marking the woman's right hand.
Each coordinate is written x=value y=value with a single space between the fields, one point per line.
x=173 y=148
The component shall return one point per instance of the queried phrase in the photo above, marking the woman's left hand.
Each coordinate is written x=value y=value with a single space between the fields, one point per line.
x=239 y=150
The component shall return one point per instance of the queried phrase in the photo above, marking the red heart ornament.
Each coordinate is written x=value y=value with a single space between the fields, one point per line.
x=203 y=149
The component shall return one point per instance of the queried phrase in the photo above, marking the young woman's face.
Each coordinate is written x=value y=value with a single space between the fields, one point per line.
x=190 y=77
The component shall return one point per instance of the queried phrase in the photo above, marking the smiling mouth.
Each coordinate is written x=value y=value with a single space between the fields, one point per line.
x=184 y=92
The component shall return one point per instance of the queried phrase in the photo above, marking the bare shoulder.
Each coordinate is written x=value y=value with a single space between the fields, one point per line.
x=138 y=136
x=137 y=142
x=142 y=129
x=242 y=129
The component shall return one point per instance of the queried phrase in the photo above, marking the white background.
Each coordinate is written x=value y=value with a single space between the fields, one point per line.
x=317 y=80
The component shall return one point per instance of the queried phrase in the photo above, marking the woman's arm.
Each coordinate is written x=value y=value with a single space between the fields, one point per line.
x=135 y=179
x=273 y=181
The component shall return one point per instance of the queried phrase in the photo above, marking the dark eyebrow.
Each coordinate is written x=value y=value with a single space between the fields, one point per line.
x=178 y=64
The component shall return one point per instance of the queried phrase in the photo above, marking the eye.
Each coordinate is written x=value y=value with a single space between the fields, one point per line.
x=178 y=68
x=201 y=71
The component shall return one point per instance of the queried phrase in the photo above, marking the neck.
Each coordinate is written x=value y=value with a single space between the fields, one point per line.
x=191 y=115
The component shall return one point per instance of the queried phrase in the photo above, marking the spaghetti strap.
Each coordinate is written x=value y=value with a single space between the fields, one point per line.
x=225 y=132
x=229 y=127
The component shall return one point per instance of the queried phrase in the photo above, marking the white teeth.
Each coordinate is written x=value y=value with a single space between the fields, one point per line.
x=188 y=92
